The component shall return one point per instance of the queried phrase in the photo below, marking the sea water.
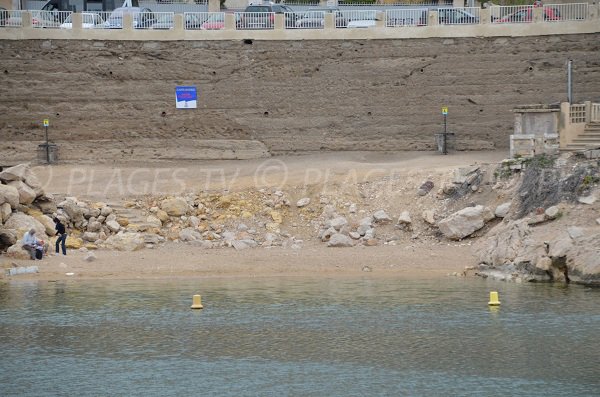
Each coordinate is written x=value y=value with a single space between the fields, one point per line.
x=298 y=337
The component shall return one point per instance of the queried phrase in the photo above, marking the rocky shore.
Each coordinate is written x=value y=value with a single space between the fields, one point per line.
x=528 y=219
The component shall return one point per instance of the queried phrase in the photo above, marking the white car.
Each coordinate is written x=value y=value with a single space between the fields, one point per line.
x=90 y=20
x=364 y=19
x=362 y=23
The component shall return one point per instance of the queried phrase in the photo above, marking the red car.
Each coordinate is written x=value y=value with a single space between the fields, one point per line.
x=217 y=21
x=526 y=15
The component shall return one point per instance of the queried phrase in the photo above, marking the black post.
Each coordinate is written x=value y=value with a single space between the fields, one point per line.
x=47 y=146
x=444 y=150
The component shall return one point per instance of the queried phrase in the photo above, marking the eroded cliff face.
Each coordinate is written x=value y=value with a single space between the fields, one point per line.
x=291 y=96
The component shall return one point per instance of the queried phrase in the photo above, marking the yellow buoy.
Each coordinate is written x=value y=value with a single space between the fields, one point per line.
x=197 y=302
x=494 y=299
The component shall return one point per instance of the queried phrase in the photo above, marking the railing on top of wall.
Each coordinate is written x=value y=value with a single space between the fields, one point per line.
x=595 y=113
x=577 y=113
x=587 y=112
x=272 y=25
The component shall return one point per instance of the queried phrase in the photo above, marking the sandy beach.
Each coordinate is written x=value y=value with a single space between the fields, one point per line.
x=336 y=177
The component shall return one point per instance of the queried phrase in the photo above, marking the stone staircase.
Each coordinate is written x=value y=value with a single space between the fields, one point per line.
x=134 y=215
x=589 y=139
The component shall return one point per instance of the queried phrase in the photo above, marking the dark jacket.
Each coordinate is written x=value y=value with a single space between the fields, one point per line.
x=60 y=228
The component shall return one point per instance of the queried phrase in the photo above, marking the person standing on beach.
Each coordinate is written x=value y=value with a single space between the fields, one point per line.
x=62 y=236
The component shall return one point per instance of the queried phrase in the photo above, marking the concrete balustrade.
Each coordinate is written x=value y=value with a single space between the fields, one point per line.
x=485 y=28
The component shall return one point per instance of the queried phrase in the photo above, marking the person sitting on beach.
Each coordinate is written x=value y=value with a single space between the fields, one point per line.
x=30 y=243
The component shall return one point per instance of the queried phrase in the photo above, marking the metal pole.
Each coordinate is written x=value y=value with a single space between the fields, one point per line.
x=444 y=150
x=47 y=146
x=570 y=81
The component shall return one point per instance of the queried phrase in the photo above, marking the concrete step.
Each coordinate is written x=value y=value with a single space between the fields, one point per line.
x=581 y=146
x=134 y=215
x=586 y=139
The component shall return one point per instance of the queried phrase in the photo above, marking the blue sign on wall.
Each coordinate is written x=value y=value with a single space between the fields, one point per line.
x=185 y=97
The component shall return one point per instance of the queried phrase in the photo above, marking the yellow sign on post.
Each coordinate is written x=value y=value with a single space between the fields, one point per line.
x=46 y=122
x=445 y=110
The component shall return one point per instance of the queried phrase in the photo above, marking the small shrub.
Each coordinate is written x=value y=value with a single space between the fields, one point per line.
x=540 y=161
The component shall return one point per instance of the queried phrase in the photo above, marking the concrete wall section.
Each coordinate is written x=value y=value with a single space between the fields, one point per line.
x=293 y=96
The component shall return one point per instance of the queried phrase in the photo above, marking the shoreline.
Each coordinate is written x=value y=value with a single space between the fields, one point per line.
x=175 y=261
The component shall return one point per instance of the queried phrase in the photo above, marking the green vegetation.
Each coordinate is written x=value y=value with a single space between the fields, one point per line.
x=540 y=161
x=503 y=172
x=589 y=180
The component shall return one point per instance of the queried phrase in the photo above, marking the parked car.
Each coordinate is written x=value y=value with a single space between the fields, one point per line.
x=526 y=15
x=217 y=21
x=314 y=18
x=266 y=18
x=165 y=21
x=141 y=17
x=366 y=20
x=456 y=16
x=89 y=21
x=47 y=19
x=416 y=17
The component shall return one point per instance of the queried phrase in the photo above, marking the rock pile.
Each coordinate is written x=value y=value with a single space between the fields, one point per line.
x=23 y=206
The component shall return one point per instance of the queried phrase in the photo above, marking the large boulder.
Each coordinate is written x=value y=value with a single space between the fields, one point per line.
x=46 y=204
x=340 y=240
x=23 y=223
x=73 y=242
x=8 y=237
x=73 y=211
x=153 y=221
x=338 y=222
x=189 y=234
x=381 y=217
x=94 y=226
x=9 y=194
x=48 y=223
x=16 y=173
x=506 y=243
x=113 y=226
x=176 y=206
x=502 y=210
x=465 y=222
x=162 y=215
x=5 y=212
x=125 y=241
x=16 y=251
x=32 y=181
x=26 y=194
x=90 y=236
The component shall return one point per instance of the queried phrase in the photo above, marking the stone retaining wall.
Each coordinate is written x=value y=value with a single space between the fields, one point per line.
x=293 y=96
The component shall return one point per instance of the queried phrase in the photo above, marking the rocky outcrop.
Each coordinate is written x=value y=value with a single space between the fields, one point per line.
x=510 y=252
x=465 y=222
